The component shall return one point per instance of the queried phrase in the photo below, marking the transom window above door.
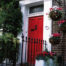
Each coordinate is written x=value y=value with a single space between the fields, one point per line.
x=35 y=9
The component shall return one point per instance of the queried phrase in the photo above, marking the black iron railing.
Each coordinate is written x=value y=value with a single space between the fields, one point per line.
x=30 y=48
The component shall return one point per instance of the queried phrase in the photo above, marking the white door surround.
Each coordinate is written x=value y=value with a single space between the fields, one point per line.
x=47 y=21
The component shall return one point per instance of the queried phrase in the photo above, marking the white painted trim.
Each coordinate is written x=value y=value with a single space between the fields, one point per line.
x=31 y=2
x=24 y=11
x=36 y=14
x=47 y=23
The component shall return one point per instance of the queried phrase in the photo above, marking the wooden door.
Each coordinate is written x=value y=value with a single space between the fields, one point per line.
x=35 y=31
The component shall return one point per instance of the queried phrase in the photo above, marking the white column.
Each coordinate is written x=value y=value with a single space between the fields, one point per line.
x=20 y=48
x=24 y=11
x=47 y=28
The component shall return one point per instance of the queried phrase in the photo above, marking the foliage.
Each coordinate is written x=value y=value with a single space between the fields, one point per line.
x=3 y=15
x=11 y=23
x=11 y=17
x=2 y=2
x=1 y=50
x=45 y=55
x=62 y=27
x=9 y=45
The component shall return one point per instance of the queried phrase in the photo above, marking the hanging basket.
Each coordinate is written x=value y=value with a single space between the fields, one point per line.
x=55 y=39
x=55 y=15
x=62 y=27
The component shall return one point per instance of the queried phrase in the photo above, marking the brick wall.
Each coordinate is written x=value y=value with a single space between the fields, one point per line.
x=60 y=48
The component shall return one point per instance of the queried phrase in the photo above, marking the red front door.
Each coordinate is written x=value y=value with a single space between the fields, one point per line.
x=35 y=31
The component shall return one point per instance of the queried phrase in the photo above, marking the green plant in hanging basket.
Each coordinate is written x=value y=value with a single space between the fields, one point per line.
x=55 y=15
x=62 y=27
x=55 y=39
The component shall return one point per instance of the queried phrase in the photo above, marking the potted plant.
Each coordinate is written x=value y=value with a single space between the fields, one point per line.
x=55 y=14
x=55 y=38
x=62 y=26
x=45 y=58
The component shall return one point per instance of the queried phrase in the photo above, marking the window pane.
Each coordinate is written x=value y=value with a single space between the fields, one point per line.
x=36 y=9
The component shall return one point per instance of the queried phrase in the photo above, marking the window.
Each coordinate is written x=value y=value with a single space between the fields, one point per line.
x=35 y=9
